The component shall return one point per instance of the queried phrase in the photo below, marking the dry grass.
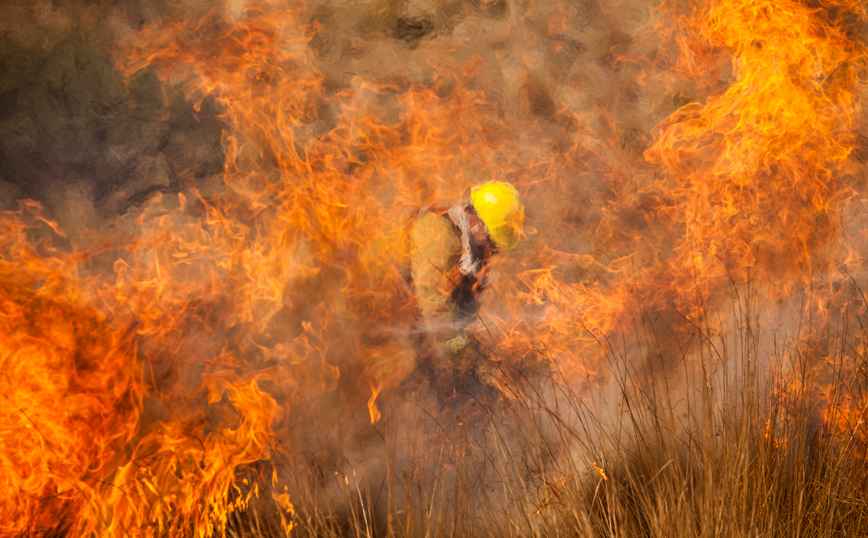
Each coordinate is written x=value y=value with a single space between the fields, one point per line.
x=746 y=453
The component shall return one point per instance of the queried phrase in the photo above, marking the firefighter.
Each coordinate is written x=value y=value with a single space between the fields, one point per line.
x=450 y=250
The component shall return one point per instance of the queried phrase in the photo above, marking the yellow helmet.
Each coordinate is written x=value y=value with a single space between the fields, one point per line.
x=499 y=207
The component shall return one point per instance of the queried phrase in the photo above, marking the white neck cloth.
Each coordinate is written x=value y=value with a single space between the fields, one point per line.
x=467 y=264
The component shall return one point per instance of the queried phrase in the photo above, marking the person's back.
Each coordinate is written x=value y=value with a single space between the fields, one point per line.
x=435 y=251
x=449 y=255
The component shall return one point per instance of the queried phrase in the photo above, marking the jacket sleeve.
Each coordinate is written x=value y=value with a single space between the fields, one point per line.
x=434 y=249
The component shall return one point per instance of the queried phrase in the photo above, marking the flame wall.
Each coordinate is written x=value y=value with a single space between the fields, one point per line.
x=216 y=277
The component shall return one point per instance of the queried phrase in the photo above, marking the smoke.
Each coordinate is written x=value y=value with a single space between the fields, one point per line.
x=77 y=137
x=250 y=167
x=71 y=123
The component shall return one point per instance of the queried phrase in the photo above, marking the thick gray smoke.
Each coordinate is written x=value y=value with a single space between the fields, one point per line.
x=91 y=147
x=74 y=135
x=95 y=148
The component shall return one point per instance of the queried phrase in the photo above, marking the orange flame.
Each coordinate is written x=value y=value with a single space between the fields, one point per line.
x=136 y=394
x=372 y=402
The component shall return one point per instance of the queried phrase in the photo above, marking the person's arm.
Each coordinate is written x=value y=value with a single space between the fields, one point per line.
x=434 y=251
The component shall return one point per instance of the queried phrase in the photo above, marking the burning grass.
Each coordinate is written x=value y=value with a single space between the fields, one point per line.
x=676 y=348
x=747 y=452
x=731 y=450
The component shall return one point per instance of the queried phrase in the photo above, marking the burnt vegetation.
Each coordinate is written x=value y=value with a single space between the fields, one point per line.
x=207 y=326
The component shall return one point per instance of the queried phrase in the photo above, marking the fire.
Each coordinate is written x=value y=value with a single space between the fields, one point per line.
x=756 y=171
x=600 y=471
x=143 y=375
x=372 y=403
x=72 y=390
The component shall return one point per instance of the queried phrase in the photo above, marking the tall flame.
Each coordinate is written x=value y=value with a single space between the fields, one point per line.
x=141 y=376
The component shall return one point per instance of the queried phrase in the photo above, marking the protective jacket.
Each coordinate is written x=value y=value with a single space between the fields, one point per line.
x=447 y=271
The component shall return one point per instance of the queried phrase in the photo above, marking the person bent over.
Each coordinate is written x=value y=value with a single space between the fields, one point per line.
x=450 y=250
